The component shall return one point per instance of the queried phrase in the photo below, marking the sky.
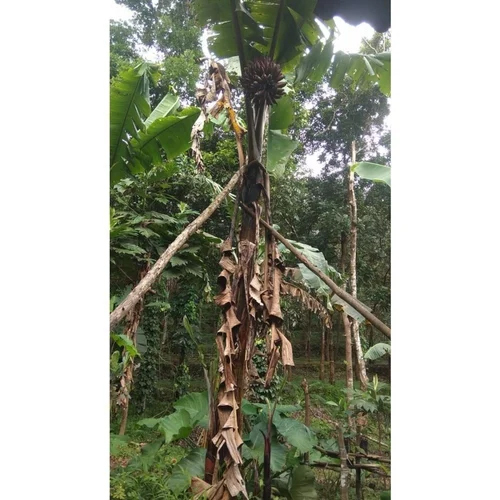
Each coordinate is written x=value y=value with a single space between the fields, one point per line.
x=348 y=40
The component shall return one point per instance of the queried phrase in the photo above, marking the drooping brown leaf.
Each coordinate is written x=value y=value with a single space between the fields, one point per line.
x=308 y=301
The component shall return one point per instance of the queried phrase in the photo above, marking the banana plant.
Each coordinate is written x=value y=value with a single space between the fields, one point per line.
x=141 y=138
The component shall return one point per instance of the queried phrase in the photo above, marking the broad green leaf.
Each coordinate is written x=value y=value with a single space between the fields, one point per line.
x=257 y=20
x=177 y=425
x=329 y=444
x=340 y=66
x=171 y=134
x=348 y=309
x=314 y=65
x=151 y=423
x=190 y=466
x=282 y=114
x=212 y=11
x=168 y=105
x=124 y=341
x=254 y=446
x=312 y=254
x=296 y=433
x=129 y=106
x=279 y=149
x=364 y=70
x=373 y=172
x=196 y=404
x=249 y=408
x=280 y=409
x=312 y=280
x=301 y=486
x=377 y=351
x=364 y=405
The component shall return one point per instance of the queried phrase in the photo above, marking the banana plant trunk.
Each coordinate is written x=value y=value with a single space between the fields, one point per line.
x=249 y=296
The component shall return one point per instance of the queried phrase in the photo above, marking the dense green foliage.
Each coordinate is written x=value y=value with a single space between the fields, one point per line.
x=157 y=190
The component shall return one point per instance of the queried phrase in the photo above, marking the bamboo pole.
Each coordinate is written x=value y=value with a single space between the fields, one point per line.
x=377 y=323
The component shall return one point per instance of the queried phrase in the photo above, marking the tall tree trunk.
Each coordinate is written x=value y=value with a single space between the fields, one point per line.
x=353 y=209
x=347 y=325
x=322 y=357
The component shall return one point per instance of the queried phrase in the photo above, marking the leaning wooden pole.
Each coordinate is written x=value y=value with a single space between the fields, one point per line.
x=379 y=325
x=154 y=273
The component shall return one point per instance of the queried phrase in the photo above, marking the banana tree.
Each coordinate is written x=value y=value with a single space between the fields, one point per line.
x=141 y=138
x=278 y=42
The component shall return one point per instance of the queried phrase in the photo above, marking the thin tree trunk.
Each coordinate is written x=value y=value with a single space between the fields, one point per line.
x=147 y=282
x=327 y=352
x=307 y=408
x=331 y=357
x=353 y=209
x=358 y=461
x=347 y=327
x=322 y=358
x=127 y=378
x=344 y=470
x=348 y=357
x=379 y=325
x=308 y=337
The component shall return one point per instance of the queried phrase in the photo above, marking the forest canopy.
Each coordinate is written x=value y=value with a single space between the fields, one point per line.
x=249 y=293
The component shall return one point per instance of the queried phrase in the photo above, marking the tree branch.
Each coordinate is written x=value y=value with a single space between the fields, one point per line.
x=382 y=327
x=153 y=274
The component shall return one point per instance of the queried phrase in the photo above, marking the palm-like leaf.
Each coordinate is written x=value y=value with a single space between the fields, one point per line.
x=377 y=351
x=167 y=106
x=129 y=106
x=138 y=136
x=257 y=20
x=364 y=70
x=171 y=134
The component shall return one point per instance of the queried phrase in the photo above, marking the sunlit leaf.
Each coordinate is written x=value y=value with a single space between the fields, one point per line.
x=373 y=172
x=279 y=149
x=282 y=114
x=377 y=351
x=126 y=342
x=167 y=105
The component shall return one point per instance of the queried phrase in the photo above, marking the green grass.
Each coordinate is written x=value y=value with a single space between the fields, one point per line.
x=129 y=482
